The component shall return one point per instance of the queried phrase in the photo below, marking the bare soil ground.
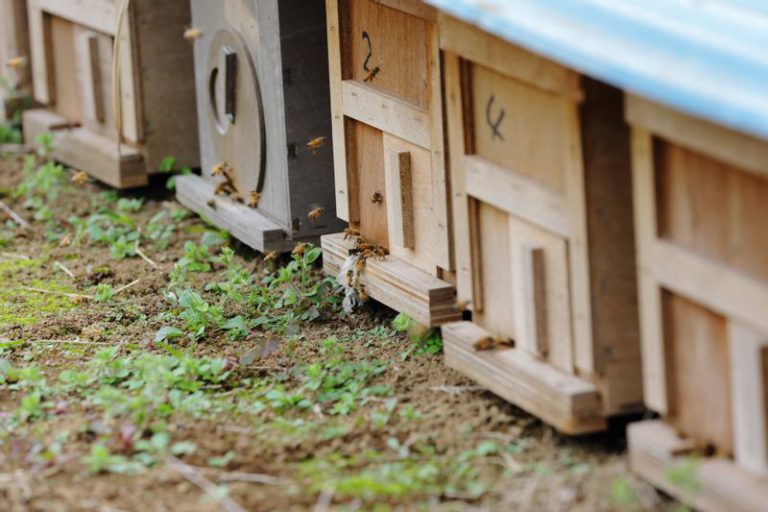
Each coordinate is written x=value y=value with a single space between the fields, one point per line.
x=218 y=381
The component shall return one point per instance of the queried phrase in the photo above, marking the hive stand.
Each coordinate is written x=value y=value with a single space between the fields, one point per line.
x=264 y=113
x=701 y=197
x=391 y=182
x=542 y=202
x=72 y=52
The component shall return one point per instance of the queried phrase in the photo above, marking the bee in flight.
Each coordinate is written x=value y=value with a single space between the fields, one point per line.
x=193 y=33
x=80 y=178
x=316 y=214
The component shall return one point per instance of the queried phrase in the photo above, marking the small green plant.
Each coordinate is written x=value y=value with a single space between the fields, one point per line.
x=103 y=293
x=425 y=341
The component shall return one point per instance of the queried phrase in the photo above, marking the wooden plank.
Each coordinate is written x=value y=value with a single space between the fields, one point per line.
x=570 y=404
x=399 y=285
x=462 y=240
x=520 y=127
x=386 y=113
x=748 y=381
x=654 y=449
x=96 y=79
x=99 y=15
x=337 y=110
x=41 y=58
x=697 y=345
x=713 y=285
x=400 y=210
x=735 y=148
x=649 y=295
x=499 y=55
x=476 y=273
x=689 y=184
x=64 y=70
x=387 y=49
x=366 y=160
x=244 y=223
x=516 y=194
x=82 y=149
x=441 y=199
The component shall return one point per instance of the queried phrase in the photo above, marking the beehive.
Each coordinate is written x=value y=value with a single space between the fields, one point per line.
x=542 y=204
x=264 y=114
x=119 y=132
x=391 y=182
x=14 y=45
x=700 y=195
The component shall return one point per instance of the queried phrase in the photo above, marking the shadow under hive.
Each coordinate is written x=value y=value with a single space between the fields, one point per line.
x=264 y=117
x=72 y=47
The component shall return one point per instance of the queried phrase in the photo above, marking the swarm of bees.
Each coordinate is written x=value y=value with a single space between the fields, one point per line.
x=317 y=143
x=360 y=254
x=79 y=178
x=493 y=343
x=193 y=33
x=316 y=214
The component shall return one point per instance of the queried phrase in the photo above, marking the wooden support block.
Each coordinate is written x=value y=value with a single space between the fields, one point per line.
x=244 y=223
x=425 y=298
x=567 y=402
x=400 y=205
x=720 y=484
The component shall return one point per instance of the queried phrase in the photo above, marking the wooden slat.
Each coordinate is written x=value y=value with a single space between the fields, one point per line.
x=748 y=381
x=96 y=79
x=462 y=242
x=516 y=194
x=709 y=283
x=413 y=7
x=337 y=111
x=41 y=55
x=386 y=113
x=99 y=15
x=492 y=52
x=425 y=298
x=244 y=223
x=715 y=141
x=569 y=403
x=721 y=485
x=651 y=327
x=132 y=103
x=400 y=208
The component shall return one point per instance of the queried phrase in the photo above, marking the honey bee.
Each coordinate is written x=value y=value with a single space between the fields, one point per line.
x=253 y=199
x=363 y=293
x=350 y=233
x=237 y=196
x=66 y=241
x=80 y=178
x=377 y=198
x=375 y=71
x=16 y=63
x=219 y=169
x=225 y=187
x=317 y=143
x=211 y=203
x=360 y=265
x=381 y=252
x=271 y=256
x=192 y=33
x=493 y=343
x=316 y=214
x=300 y=249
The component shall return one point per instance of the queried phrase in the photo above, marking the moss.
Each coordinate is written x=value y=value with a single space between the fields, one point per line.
x=25 y=307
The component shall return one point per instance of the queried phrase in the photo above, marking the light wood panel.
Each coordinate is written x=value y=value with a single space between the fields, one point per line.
x=366 y=160
x=64 y=71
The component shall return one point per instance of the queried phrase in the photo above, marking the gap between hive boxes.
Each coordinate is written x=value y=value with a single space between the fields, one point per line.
x=393 y=282
x=567 y=402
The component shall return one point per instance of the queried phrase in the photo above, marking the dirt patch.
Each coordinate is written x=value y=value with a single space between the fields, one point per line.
x=267 y=409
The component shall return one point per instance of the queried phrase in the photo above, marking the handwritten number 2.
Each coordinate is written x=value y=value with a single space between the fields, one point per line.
x=494 y=125
x=367 y=37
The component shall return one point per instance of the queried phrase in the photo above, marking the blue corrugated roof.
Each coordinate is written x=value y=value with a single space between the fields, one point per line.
x=705 y=57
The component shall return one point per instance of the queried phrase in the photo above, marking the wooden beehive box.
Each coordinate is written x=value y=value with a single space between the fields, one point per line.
x=14 y=44
x=264 y=113
x=541 y=187
x=701 y=198
x=391 y=182
x=72 y=46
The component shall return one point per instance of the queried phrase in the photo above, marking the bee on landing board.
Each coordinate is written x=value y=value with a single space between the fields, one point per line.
x=493 y=343
x=351 y=233
x=253 y=199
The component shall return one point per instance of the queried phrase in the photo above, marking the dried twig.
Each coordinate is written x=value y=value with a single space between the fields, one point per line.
x=457 y=390
x=325 y=500
x=14 y=256
x=194 y=475
x=255 y=478
x=129 y=285
x=18 y=219
x=60 y=294
x=64 y=269
x=146 y=258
